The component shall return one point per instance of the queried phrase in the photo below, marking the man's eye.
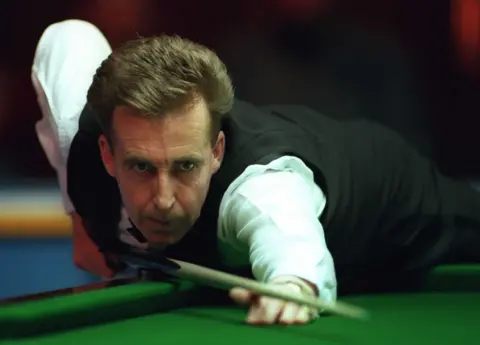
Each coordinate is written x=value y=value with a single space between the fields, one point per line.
x=142 y=167
x=186 y=166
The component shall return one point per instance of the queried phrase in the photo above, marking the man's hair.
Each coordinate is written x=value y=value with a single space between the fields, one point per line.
x=157 y=75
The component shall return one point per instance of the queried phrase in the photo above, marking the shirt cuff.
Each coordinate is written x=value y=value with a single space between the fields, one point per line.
x=327 y=288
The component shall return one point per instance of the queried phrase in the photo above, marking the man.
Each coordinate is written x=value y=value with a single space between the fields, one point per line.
x=165 y=161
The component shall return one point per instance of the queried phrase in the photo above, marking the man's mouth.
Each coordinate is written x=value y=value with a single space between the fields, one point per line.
x=162 y=224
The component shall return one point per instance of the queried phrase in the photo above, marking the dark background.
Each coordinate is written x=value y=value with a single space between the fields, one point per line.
x=398 y=62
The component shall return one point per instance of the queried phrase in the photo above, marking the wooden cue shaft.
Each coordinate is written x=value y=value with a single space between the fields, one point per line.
x=227 y=281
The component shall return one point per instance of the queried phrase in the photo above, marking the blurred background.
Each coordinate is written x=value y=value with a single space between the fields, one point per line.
x=411 y=65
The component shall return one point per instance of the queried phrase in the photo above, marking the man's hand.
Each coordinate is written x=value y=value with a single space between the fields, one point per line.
x=267 y=310
x=85 y=253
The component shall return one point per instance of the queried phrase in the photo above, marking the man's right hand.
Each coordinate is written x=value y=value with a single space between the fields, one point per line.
x=265 y=310
x=86 y=255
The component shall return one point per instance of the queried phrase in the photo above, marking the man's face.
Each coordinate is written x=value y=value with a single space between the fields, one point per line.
x=163 y=168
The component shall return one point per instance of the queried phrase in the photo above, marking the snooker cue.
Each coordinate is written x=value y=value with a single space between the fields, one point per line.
x=224 y=280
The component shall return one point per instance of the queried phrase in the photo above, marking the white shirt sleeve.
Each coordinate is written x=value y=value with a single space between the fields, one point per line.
x=269 y=217
x=66 y=58
x=51 y=147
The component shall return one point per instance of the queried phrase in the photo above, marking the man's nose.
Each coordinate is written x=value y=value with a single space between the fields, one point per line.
x=165 y=196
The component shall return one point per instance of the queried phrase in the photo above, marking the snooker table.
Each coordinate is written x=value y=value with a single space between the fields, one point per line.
x=166 y=311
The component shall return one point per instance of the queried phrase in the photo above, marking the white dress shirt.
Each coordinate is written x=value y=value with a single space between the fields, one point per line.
x=268 y=217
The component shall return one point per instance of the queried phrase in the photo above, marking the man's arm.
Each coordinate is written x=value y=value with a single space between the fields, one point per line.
x=85 y=253
x=273 y=213
x=66 y=57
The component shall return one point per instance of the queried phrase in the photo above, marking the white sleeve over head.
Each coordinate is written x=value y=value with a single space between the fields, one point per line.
x=66 y=59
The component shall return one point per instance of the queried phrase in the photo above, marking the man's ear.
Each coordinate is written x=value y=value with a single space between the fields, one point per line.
x=106 y=151
x=218 y=152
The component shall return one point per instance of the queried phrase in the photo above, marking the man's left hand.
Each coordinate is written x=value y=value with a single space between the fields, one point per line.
x=267 y=310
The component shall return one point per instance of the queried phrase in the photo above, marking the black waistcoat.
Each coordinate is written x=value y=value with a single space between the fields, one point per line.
x=374 y=182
